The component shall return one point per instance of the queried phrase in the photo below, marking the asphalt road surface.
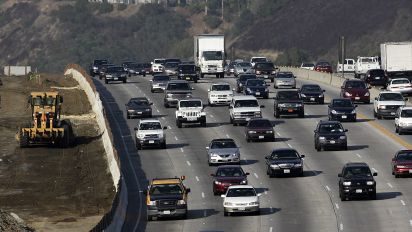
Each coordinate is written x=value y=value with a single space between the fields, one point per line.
x=309 y=203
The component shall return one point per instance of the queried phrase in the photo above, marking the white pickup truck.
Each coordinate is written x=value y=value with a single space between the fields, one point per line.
x=190 y=111
x=363 y=64
x=244 y=108
x=387 y=103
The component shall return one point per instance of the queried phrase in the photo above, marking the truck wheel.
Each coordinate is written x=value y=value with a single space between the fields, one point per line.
x=203 y=124
x=23 y=139
x=125 y=80
x=106 y=81
x=277 y=114
x=164 y=145
x=178 y=124
x=202 y=75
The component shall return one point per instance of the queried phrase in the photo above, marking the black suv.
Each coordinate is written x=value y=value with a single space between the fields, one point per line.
x=288 y=102
x=284 y=161
x=115 y=73
x=342 y=110
x=312 y=93
x=241 y=81
x=265 y=70
x=94 y=68
x=330 y=134
x=187 y=72
x=356 y=180
x=257 y=88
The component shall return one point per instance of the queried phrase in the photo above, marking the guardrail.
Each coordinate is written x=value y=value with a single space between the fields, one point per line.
x=114 y=219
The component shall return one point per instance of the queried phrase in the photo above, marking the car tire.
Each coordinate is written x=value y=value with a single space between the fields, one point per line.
x=302 y=115
x=257 y=212
x=272 y=80
x=231 y=121
x=247 y=139
x=226 y=214
x=149 y=218
x=125 y=80
x=322 y=102
x=301 y=173
x=372 y=196
x=195 y=80
x=397 y=175
x=151 y=90
x=203 y=124
x=178 y=124
x=138 y=146
x=396 y=129
x=318 y=147
x=128 y=116
x=266 y=97
x=277 y=114
x=400 y=132
x=106 y=81
x=163 y=146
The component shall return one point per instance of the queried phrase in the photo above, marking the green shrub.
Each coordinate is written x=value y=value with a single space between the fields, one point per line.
x=212 y=21
x=121 y=7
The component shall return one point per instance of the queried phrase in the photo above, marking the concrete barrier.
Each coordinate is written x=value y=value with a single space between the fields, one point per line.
x=114 y=219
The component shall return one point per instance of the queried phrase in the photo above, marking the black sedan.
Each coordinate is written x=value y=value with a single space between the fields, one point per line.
x=330 y=134
x=284 y=161
x=257 y=88
x=241 y=81
x=342 y=110
x=139 y=107
x=312 y=93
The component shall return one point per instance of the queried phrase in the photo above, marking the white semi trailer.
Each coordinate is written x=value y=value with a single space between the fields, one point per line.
x=209 y=54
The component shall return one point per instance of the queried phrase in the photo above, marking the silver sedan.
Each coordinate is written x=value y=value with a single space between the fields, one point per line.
x=223 y=151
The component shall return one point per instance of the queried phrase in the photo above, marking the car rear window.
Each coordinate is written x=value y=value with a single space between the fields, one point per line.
x=311 y=88
x=264 y=65
x=161 y=78
x=284 y=154
x=241 y=192
x=288 y=95
x=377 y=72
x=178 y=86
x=259 y=123
x=342 y=103
x=355 y=85
x=356 y=171
x=220 y=87
x=404 y=156
x=400 y=81
x=223 y=144
x=406 y=113
x=331 y=128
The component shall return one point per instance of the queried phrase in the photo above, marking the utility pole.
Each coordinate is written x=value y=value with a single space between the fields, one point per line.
x=342 y=54
x=222 y=11
x=206 y=8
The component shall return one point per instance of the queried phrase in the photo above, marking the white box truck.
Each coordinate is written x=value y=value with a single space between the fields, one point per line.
x=396 y=57
x=209 y=54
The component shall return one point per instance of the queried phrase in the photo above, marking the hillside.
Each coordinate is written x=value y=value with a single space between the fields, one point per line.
x=49 y=34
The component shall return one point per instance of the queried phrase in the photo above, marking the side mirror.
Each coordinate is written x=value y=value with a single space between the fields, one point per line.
x=150 y=103
x=323 y=90
x=212 y=174
x=230 y=107
x=192 y=88
x=259 y=194
x=262 y=106
x=302 y=156
x=346 y=130
x=376 y=98
x=136 y=128
x=375 y=174
x=165 y=128
x=188 y=190
x=339 y=175
x=223 y=195
x=247 y=174
x=315 y=131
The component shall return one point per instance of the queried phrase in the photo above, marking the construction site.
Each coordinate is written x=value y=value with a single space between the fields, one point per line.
x=53 y=167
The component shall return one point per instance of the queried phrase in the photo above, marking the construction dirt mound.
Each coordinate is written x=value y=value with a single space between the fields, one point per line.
x=11 y=222
x=52 y=188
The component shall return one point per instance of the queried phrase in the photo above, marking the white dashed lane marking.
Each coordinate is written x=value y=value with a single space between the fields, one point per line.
x=188 y=163
x=390 y=186
x=256 y=175
x=197 y=178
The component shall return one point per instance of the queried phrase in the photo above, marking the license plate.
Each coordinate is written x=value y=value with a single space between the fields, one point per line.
x=286 y=171
x=261 y=136
x=115 y=78
x=290 y=110
x=257 y=93
x=265 y=76
x=312 y=99
x=332 y=142
x=241 y=208
x=187 y=78
x=357 y=98
x=139 y=112
x=358 y=190
x=344 y=116
x=392 y=113
x=191 y=119
x=151 y=141
x=247 y=119
x=166 y=212
x=377 y=78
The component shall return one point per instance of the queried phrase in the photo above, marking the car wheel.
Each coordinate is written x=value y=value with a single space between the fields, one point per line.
x=195 y=80
x=374 y=114
x=302 y=115
x=318 y=147
x=301 y=173
x=378 y=116
x=203 y=124
x=397 y=175
x=149 y=218
x=151 y=90
x=247 y=139
x=400 y=131
x=257 y=212
x=125 y=80
x=322 y=102
x=231 y=120
x=178 y=124
x=128 y=116
x=372 y=196
x=138 y=146
x=106 y=81
x=164 y=145
x=166 y=105
x=277 y=114
x=226 y=214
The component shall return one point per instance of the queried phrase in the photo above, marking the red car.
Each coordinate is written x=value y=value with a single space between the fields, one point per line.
x=402 y=163
x=226 y=176
x=356 y=90
x=323 y=66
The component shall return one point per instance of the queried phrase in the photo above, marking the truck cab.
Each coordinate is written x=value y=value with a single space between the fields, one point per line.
x=363 y=64
x=209 y=53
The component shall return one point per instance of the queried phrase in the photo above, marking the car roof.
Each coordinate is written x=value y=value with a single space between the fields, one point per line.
x=241 y=186
x=221 y=83
x=223 y=140
x=149 y=120
x=178 y=81
x=244 y=97
x=191 y=99
x=390 y=92
x=356 y=164
x=329 y=122
x=138 y=98
x=284 y=149
x=166 y=181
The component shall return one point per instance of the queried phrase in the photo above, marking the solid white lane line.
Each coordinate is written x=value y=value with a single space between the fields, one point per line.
x=188 y=163
x=410 y=222
x=204 y=213
x=336 y=205
x=203 y=195
x=390 y=186
x=197 y=178
x=176 y=138
x=257 y=177
x=359 y=156
x=327 y=187
x=290 y=145
x=403 y=203
x=271 y=209
x=341 y=227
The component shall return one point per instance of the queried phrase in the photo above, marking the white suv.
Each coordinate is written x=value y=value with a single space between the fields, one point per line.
x=403 y=120
x=220 y=94
x=157 y=66
x=149 y=132
x=190 y=111
x=244 y=108
x=387 y=103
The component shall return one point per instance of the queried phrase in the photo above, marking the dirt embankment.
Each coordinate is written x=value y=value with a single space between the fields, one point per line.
x=52 y=188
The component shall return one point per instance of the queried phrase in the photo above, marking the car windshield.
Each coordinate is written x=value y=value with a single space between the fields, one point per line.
x=172 y=60
x=246 y=103
x=178 y=86
x=391 y=97
x=404 y=156
x=230 y=172
x=190 y=104
x=342 y=103
x=158 y=61
x=187 y=68
x=244 y=65
x=255 y=82
x=171 y=65
x=288 y=95
x=244 y=78
x=264 y=66
x=223 y=144
x=100 y=62
x=400 y=81
x=356 y=171
x=311 y=88
x=220 y=87
x=115 y=69
x=331 y=128
x=308 y=65
x=368 y=60
x=260 y=59
x=406 y=114
x=284 y=75
x=139 y=102
x=213 y=55
x=241 y=192
x=284 y=154
x=165 y=189
x=323 y=64
x=150 y=126
x=259 y=124
x=355 y=85
x=161 y=78
x=134 y=65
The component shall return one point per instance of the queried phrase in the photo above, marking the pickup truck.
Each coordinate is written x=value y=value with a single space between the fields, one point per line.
x=363 y=64
x=387 y=103
x=244 y=108
x=190 y=111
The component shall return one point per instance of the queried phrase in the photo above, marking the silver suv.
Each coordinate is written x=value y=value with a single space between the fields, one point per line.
x=149 y=132
x=176 y=90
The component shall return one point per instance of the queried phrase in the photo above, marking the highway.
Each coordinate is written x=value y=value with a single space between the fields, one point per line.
x=309 y=203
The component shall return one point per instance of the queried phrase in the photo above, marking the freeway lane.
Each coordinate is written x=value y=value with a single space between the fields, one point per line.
x=289 y=204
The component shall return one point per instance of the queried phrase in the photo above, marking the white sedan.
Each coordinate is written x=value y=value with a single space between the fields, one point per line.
x=241 y=199
x=401 y=85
